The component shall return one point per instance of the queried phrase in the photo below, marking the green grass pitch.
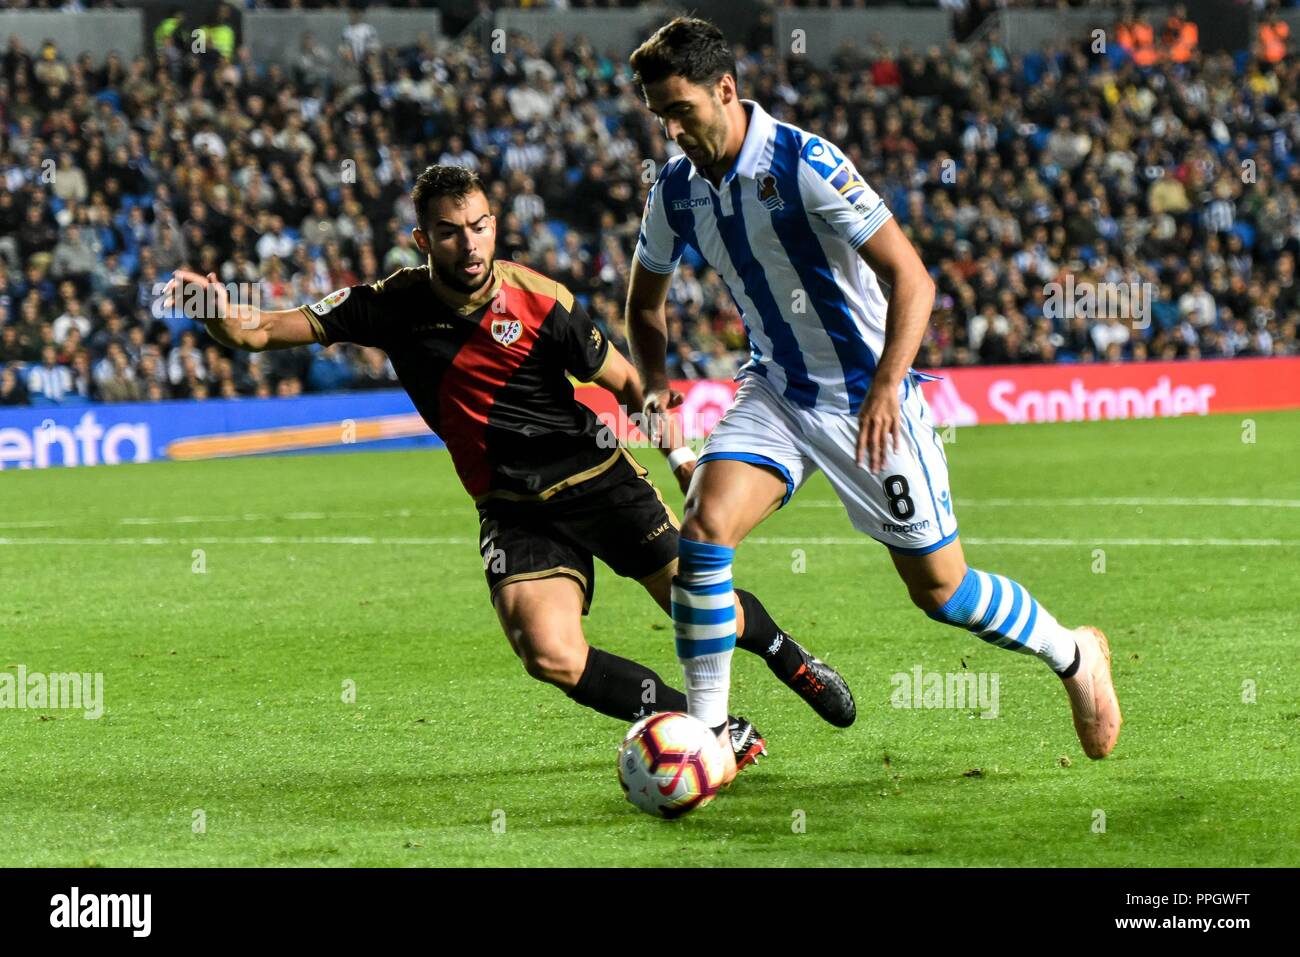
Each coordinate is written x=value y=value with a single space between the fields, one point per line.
x=226 y=738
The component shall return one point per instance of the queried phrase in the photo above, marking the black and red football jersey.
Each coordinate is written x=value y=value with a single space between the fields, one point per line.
x=487 y=371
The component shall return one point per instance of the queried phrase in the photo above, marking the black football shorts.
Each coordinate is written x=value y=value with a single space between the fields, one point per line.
x=616 y=516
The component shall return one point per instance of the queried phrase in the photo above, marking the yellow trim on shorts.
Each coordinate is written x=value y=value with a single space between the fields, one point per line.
x=557 y=571
x=669 y=568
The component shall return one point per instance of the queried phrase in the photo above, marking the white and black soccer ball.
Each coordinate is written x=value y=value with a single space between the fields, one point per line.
x=670 y=764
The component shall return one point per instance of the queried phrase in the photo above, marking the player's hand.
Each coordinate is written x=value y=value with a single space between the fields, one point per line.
x=657 y=403
x=879 y=425
x=215 y=300
x=683 y=474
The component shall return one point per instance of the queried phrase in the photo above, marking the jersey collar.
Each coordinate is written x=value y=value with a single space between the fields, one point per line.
x=467 y=303
x=761 y=130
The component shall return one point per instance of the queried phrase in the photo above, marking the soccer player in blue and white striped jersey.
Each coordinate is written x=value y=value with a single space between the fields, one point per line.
x=803 y=244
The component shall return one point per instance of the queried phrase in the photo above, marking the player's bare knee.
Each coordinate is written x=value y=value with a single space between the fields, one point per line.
x=554 y=663
x=707 y=526
x=929 y=599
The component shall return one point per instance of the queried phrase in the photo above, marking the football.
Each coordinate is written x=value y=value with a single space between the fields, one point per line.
x=669 y=764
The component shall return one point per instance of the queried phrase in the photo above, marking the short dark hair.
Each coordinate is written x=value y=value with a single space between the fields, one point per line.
x=687 y=47
x=439 y=181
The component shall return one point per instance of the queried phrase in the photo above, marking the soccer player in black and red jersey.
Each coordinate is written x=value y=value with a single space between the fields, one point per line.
x=484 y=347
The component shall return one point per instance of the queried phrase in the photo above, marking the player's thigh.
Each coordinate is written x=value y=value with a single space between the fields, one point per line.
x=729 y=498
x=752 y=463
x=542 y=619
x=907 y=505
x=520 y=542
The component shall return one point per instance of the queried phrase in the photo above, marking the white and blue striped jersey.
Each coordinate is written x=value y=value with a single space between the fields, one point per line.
x=783 y=232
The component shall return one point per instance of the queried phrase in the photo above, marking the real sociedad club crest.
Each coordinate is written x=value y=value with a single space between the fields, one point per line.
x=767 y=192
x=507 y=331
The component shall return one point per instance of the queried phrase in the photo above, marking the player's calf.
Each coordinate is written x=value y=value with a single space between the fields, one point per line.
x=704 y=625
x=816 y=682
x=1002 y=612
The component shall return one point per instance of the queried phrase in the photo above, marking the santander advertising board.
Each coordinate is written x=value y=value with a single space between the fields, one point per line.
x=984 y=395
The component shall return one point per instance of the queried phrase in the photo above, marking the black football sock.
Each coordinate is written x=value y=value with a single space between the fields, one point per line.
x=623 y=689
x=762 y=637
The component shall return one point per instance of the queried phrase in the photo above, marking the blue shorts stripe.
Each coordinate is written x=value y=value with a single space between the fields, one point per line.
x=924 y=549
x=753 y=458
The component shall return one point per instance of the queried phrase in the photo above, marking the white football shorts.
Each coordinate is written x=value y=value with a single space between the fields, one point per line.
x=907 y=506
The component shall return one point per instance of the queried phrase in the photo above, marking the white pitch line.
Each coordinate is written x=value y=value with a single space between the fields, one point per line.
x=1104 y=503
x=757 y=540
x=223 y=519
x=408 y=513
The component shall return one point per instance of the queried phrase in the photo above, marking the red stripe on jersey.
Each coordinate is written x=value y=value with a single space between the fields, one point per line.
x=481 y=367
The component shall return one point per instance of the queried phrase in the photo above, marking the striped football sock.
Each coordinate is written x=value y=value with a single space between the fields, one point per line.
x=704 y=622
x=1003 y=613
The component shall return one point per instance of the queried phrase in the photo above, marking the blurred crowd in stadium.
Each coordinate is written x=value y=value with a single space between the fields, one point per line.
x=1150 y=164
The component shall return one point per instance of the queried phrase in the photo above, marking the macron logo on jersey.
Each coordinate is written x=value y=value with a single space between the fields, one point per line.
x=681 y=204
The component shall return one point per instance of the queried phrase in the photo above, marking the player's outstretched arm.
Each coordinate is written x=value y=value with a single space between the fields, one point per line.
x=239 y=326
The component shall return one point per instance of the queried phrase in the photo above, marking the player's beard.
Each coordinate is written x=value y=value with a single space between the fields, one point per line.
x=448 y=277
x=712 y=144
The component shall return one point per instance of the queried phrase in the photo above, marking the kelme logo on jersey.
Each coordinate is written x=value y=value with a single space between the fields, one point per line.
x=507 y=331
x=329 y=302
x=767 y=192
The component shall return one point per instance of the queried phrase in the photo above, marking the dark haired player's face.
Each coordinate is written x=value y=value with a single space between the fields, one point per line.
x=460 y=240
x=692 y=115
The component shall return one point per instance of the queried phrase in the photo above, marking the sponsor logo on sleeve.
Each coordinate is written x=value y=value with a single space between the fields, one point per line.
x=330 y=302
x=822 y=156
x=849 y=184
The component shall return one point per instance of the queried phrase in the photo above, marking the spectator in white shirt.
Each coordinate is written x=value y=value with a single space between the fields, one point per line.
x=527 y=205
x=360 y=37
x=274 y=242
x=521 y=156
x=49 y=379
x=1197 y=305
x=72 y=317
x=1109 y=332
x=457 y=155
x=187 y=350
